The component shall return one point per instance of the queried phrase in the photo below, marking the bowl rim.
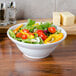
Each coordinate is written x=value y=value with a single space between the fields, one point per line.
x=22 y=43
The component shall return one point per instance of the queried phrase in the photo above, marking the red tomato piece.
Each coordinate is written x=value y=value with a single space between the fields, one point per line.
x=24 y=36
x=25 y=30
x=19 y=35
x=52 y=29
x=40 y=31
x=31 y=34
x=42 y=35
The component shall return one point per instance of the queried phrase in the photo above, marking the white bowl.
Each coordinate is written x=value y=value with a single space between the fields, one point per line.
x=36 y=50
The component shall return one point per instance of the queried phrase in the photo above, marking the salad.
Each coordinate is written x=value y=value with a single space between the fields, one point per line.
x=36 y=33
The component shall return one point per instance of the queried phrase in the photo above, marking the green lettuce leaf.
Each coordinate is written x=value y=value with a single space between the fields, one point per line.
x=12 y=34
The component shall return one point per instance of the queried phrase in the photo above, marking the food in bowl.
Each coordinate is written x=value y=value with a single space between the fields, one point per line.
x=35 y=39
x=36 y=33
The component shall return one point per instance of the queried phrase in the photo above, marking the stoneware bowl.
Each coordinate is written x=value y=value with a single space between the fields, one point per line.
x=36 y=50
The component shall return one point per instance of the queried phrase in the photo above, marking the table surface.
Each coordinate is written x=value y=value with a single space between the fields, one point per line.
x=61 y=62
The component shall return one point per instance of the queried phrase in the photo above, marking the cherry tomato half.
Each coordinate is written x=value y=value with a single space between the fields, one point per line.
x=25 y=30
x=31 y=34
x=40 y=31
x=24 y=36
x=42 y=35
x=52 y=29
x=19 y=35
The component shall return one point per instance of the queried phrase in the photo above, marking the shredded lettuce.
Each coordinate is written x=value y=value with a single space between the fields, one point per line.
x=58 y=31
x=41 y=41
x=19 y=39
x=27 y=41
x=36 y=35
x=12 y=34
x=30 y=22
x=33 y=41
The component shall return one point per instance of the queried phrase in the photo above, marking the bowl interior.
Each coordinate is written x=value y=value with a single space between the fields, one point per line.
x=21 y=43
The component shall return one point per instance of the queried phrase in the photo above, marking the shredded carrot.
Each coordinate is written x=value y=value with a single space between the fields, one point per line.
x=17 y=29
